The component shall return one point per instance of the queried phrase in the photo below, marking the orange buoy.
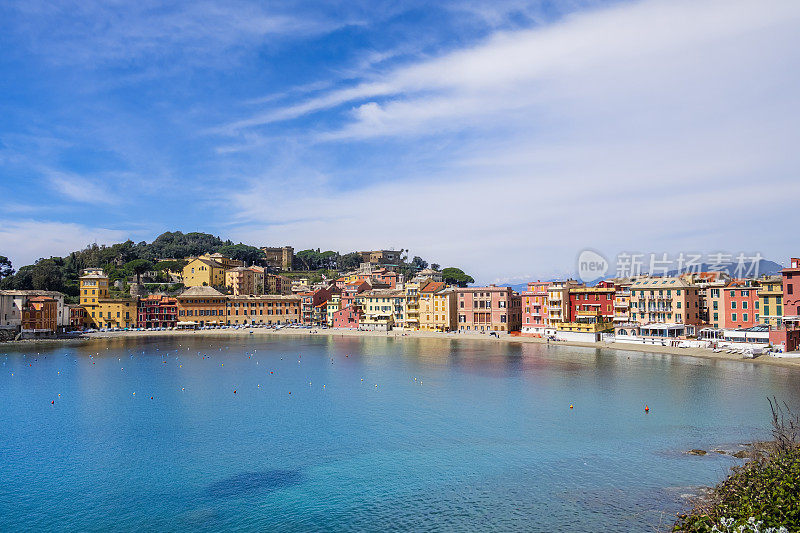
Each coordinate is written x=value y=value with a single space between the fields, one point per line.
x=646 y=409
x=570 y=406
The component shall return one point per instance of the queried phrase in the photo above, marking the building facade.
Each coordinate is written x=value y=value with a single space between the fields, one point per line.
x=484 y=309
x=280 y=258
x=770 y=294
x=202 y=306
x=791 y=289
x=437 y=307
x=157 y=312
x=200 y=272
x=534 y=308
x=664 y=300
x=269 y=309
x=39 y=315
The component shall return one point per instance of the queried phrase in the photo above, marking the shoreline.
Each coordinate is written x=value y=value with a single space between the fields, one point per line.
x=703 y=353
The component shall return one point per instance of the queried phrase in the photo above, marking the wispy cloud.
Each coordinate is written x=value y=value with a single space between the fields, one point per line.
x=81 y=189
x=26 y=240
x=648 y=125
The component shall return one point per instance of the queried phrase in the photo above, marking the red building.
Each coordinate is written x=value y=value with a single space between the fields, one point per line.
x=791 y=289
x=77 y=317
x=311 y=300
x=157 y=312
x=347 y=317
x=591 y=301
x=534 y=308
x=740 y=300
x=40 y=313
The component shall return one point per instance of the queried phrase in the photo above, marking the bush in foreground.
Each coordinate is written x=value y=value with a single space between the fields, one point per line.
x=762 y=495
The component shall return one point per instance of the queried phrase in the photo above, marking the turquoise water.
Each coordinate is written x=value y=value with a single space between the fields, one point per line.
x=482 y=439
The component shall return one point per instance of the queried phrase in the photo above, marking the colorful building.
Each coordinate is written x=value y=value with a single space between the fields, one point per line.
x=437 y=307
x=242 y=281
x=201 y=306
x=740 y=304
x=381 y=309
x=592 y=301
x=558 y=302
x=534 y=308
x=347 y=318
x=770 y=293
x=101 y=310
x=276 y=284
x=492 y=308
x=201 y=272
x=157 y=312
x=269 y=309
x=791 y=289
x=664 y=300
x=40 y=315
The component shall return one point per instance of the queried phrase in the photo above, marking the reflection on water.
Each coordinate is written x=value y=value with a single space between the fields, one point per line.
x=365 y=433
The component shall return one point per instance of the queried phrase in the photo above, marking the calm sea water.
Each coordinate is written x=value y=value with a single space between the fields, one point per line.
x=364 y=434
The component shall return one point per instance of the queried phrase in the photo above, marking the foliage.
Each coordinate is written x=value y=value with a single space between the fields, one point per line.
x=6 y=269
x=249 y=254
x=315 y=260
x=47 y=275
x=765 y=492
x=137 y=267
x=419 y=263
x=436 y=266
x=349 y=261
x=456 y=276
x=175 y=266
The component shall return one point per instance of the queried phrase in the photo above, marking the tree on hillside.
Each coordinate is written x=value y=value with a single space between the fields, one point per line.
x=46 y=275
x=418 y=263
x=348 y=261
x=137 y=267
x=6 y=269
x=456 y=276
x=436 y=266
x=171 y=266
x=249 y=254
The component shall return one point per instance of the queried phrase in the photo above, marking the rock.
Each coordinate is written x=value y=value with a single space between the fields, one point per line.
x=697 y=452
x=742 y=454
x=723 y=452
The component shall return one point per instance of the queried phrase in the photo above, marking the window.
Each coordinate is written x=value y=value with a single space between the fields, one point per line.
x=733 y=317
x=789 y=288
x=744 y=317
x=733 y=305
x=744 y=305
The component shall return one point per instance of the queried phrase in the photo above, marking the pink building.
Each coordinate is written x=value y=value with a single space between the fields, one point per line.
x=347 y=317
x=791 y=289
x=740 y=304
x=534 y=308
x=491 y=308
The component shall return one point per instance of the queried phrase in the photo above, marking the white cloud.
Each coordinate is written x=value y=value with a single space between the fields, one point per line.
x=81 y=189
x=647 y=126
x=26 y=240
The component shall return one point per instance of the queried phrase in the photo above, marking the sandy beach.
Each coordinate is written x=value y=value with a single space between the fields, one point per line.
x=692 y=352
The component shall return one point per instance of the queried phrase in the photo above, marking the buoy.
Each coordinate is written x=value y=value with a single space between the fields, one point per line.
x=52 y=402
x=570 y=406
x=646 y=409
x=234 y=391
x=290 y=392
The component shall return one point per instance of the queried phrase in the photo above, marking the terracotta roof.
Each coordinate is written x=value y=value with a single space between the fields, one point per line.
x=434 y=286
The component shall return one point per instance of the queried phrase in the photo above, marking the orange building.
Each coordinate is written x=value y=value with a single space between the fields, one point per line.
x=40 y=313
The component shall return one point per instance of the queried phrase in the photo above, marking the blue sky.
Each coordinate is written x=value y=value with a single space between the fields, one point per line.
x=502 y=136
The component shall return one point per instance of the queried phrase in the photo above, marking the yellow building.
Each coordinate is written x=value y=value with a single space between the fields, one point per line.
x=101 y=310
x=200 y=272
x=770 y=295
x=242 y=280
x=437 y=307
x=412 y=311
x=381 y=309
x=334 y=304
x=226 y=262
